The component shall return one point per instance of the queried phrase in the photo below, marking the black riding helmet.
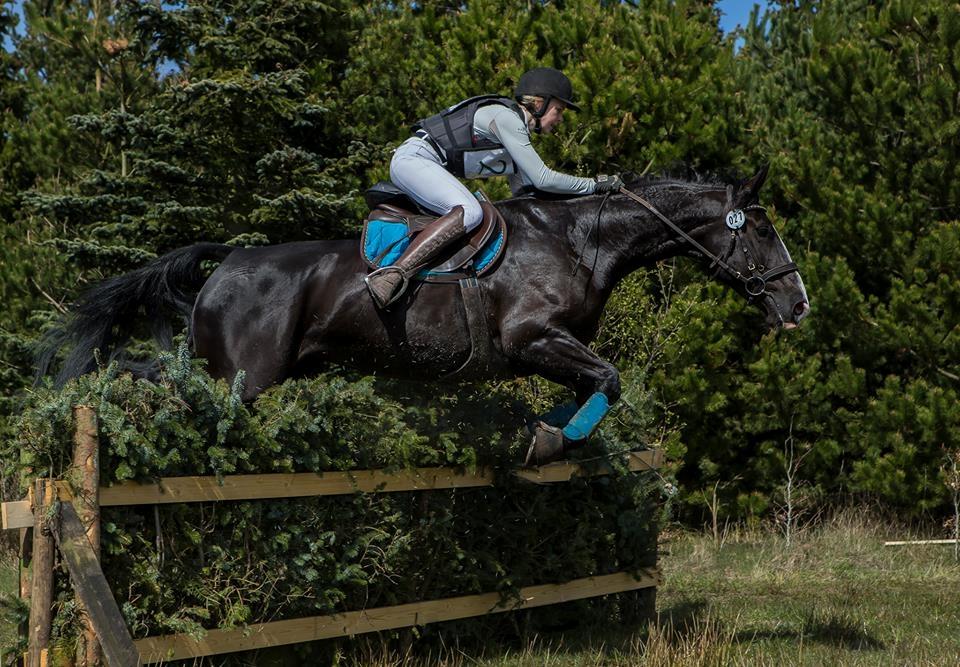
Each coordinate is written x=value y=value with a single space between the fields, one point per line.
x=547 y=83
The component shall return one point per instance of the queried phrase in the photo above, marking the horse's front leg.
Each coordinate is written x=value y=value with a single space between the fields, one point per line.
x=559 y=357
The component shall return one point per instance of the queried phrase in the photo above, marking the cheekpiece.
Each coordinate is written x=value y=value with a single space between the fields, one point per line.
x=736 y=218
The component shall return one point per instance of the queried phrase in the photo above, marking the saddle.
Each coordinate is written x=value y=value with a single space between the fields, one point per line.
x=392 y=223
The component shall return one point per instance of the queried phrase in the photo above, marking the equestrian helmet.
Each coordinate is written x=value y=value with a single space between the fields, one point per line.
x=547 y=83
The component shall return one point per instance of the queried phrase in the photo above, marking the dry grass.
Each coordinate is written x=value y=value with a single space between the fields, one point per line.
x=837 y=596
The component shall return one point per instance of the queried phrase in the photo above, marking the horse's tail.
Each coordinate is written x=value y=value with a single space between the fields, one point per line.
x=104 y=317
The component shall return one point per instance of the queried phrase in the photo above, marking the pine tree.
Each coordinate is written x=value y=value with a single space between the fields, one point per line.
x=649 y=77
x=13 y=100
x=231 y=145
x=854 y=104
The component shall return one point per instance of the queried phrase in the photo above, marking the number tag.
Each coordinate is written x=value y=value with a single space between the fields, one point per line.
x=736 y=218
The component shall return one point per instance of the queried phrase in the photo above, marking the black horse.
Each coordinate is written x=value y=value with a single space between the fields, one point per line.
x=293 y=309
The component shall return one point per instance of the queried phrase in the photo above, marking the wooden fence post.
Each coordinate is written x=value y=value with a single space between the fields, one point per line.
x=86 y=463
x=41 y=587
x=24 y=555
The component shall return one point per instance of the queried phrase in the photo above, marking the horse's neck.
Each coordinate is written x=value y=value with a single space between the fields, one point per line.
x=630 y=236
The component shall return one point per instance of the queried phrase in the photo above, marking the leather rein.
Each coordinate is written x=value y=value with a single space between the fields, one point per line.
x=756 y=283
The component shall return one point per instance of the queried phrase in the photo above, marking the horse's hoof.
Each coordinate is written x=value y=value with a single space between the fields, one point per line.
x=547 y=445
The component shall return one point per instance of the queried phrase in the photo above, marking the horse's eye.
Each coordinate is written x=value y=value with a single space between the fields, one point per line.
x=763 y=231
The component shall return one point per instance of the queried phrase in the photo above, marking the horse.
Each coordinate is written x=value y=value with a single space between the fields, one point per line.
x=294 y=309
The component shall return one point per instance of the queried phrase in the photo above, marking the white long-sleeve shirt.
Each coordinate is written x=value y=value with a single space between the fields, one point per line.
x=502 y=125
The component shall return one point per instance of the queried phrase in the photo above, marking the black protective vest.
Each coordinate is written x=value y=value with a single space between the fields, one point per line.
x=452 y=129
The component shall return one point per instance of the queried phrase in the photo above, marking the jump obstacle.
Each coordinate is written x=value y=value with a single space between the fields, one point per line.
x=62 y=515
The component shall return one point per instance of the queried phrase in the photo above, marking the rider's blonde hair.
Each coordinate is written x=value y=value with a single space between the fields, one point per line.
x=532 y=102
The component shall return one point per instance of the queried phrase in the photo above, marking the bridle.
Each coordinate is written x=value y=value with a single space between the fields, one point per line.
x=756 y=283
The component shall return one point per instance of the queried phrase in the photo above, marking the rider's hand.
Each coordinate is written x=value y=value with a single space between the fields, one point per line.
x=607 y=184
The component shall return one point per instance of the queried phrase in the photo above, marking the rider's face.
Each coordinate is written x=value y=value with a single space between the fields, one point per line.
x=552 y=117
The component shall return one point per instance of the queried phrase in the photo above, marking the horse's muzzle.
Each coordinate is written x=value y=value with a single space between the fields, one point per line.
x=800 y=310
x=779 y=317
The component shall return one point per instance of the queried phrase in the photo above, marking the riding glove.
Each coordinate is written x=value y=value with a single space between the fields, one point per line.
x=607 y=184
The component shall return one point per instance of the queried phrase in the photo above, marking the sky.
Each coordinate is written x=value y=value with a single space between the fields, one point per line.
x=733 y=13
x=736 y=12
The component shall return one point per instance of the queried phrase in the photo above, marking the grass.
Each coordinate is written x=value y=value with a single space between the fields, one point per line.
x=9 y=584
x=837 y=596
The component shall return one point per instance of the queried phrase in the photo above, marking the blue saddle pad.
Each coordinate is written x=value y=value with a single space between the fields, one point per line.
x=389 y=236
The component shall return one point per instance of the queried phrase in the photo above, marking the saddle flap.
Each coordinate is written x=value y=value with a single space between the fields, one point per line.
x=460 y=255
x=388 y=229
x=415 y=222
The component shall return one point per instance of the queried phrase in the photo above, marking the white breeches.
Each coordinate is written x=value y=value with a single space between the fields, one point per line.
x=417 y=170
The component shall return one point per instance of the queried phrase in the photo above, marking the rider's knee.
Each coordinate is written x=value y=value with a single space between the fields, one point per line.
x=472 y=215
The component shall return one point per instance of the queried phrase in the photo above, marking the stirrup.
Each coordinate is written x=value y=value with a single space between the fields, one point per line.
x=397 y=292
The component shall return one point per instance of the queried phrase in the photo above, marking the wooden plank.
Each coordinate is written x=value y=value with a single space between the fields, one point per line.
x=93 y=591
x=16 y=514
x=289 y=485
x=910 y=542
x=86 y=465
x=649 y=459
x=277 y=633
x=294 y=485
x=41 y=574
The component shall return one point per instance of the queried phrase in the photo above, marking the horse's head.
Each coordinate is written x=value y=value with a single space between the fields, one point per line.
x=757 y=263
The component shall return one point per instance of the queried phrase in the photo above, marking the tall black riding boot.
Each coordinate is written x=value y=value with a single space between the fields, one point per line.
x=388 y=283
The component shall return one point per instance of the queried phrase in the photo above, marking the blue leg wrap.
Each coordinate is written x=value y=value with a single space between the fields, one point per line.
x=560 y=415
x=587 y=417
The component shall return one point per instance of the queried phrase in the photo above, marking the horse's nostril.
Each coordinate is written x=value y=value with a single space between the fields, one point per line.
x=800 y=310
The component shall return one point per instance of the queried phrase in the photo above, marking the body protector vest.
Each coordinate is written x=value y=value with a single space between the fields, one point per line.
x=467 y=155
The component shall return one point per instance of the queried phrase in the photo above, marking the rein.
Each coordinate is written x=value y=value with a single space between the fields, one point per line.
x=583 y=245
x=756 y=283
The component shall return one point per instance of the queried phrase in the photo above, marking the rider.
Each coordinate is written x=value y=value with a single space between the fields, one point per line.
x=477 y=138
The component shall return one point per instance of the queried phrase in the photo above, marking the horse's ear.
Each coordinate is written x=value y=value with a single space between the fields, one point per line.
x=750 y=188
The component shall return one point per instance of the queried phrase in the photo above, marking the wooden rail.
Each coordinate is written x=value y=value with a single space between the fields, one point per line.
x=295 y=631
x=295 y=485
x=93 y=592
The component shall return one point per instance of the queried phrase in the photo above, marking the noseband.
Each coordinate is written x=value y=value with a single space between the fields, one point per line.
x=756 y=283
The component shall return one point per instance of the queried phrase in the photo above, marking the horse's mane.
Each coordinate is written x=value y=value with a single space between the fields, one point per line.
x=678 y=175
x=682 y=175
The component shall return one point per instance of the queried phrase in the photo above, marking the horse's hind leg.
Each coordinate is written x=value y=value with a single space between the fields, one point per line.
x=234 y=342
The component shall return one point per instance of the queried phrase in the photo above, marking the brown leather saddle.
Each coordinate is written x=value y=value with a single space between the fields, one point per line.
x=458 y=262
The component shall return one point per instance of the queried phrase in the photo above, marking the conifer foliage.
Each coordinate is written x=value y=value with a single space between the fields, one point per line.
x=855 y=103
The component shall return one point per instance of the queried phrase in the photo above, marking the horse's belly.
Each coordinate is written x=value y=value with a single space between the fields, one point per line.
x=427 y=340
